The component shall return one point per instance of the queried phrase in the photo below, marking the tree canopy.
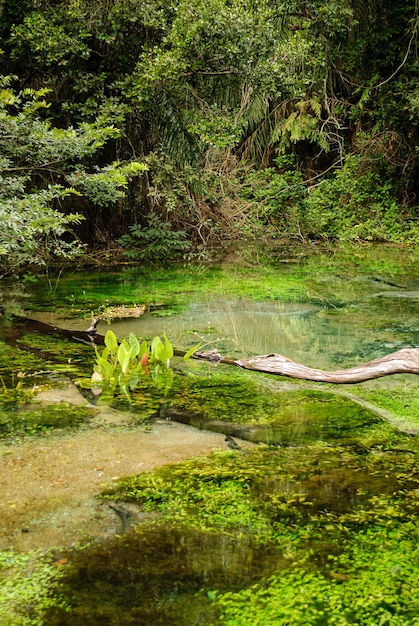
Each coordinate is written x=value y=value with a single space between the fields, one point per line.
x=207 y=121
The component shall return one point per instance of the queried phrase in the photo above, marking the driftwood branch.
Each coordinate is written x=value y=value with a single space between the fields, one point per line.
x=404 y=361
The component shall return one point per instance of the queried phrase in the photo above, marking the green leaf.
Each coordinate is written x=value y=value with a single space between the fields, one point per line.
x=160 y=353
x=168 y=346
x=192 y=350
x=106 y=353
x=111 y=341
x=156 y=342
x=135 y=345
x=124 y=387
x=143 y=348
x=124 y=357
x=168 y=381
x=106 y=369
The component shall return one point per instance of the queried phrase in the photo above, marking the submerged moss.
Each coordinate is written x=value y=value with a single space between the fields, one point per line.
x=259 y=529
x=53 y=346
x=154 y=576
x=320 y=529
x=168 y=286
x=402 y=401
x=26 y=581
x=17 y=423
x=14 y=361
x=244 y=406
x=261 y=487
x=373 y=585
x=276 y=280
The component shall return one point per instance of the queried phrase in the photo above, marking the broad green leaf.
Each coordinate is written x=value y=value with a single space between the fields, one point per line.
x=111 y=341
x=107 y=370
x=122 y=351
x=135 y=345
x=156 y=342
x=168 y=346
x=106 y=352
x=126 y=343
x=143 y=348
x=160 y=353
x=124 y=357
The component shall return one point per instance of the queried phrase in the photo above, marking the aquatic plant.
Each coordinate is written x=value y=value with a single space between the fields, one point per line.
x=15 y=395
x=20 y=423
x=123 y=364
x=316 y=530
x=26 y=582
x=376 y=585
x=402 y=400
x=337 y=525
x=14 y=362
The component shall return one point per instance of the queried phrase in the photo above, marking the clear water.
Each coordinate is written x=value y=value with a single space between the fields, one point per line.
x=329 y=449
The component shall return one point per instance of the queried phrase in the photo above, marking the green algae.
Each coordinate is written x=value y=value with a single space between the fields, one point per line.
x=401 y=400
x=353 y=295
x=243 y=406
x=333 y=278
x=264 y=486
x=239 y=529
x=26 y=581
x=299 y=596
x=26 y=421
x=171 y=288
x=154 y=576
x=320 y=528
x=13 y=361
x=52 y=347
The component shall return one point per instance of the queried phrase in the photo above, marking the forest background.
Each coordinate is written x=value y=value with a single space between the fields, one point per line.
x=162 y=129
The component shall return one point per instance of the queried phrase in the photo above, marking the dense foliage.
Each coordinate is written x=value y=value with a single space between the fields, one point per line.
x=250 y=118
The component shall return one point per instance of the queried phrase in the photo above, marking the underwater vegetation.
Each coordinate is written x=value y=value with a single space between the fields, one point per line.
x=313 y=534
x=14 y=361
x=21 y=422
x=26 y=582
x=313 y=522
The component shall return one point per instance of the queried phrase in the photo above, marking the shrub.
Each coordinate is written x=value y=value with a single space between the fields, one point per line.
x=357 y=204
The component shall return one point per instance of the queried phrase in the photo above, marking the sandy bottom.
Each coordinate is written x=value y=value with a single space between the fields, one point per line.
x=49 y=485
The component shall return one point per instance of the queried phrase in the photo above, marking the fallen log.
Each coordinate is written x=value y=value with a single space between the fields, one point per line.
x=404 y=361
x=26 y=324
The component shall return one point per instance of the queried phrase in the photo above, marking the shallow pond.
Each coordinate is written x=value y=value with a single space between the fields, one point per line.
x=311 y=489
